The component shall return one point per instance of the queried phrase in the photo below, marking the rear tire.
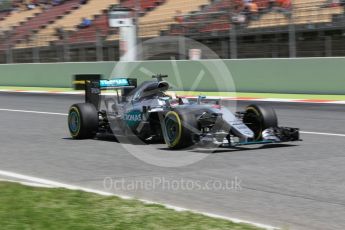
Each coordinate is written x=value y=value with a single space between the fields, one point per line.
x=258 y=118
x=83 y=121
x=178 y=129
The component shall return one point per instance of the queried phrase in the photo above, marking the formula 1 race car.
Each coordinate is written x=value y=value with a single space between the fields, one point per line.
x=147 y=112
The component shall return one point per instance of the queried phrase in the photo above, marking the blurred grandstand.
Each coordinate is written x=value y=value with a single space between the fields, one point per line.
x=78 y=30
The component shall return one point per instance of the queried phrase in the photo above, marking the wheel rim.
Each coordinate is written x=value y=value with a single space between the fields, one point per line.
x=172 y=129
x=74 y=122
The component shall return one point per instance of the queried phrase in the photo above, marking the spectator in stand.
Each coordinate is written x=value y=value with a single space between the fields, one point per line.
x=60 y=32
x=253 y=11
x=332 y=3
x=335 y=3
x=45 y=5
x=239 y=15
x=56 y=2
x=16 y=6
x=287 y=4
x=246 y=2
x=179 y=16
x=85 y=23
x=284 y=6
x=30 y=4
x=271 y=4
x=180 y=19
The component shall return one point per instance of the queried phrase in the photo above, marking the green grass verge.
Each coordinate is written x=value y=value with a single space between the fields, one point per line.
x=222 y=94
x=23 y=207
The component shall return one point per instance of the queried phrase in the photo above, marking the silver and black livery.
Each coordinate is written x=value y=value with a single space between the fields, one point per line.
x=147 y=112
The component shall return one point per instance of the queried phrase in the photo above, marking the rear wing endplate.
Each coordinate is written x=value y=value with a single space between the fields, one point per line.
x=94 y=87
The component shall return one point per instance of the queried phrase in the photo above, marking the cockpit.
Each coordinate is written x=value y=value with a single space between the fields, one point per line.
x=149 y=90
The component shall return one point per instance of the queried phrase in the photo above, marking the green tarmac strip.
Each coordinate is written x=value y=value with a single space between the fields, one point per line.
x=24 y=207
x=210 y=94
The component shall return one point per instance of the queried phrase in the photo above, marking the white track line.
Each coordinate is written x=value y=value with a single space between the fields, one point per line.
x=324 y=134
x=65 y=114
x=51 y=183
x=29 y=111
x=31 y=184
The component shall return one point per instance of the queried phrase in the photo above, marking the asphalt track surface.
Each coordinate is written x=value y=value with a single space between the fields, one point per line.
x=294 y=186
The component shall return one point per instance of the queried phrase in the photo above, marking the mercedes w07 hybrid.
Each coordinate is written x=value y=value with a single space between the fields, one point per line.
x=150 y=114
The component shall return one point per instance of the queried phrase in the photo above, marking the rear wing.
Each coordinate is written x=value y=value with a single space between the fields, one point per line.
x=118 y=83
x=94 y=87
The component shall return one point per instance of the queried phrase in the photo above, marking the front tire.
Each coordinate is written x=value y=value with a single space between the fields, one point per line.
x=258 y=118
x=179 y=129
x=83 y=121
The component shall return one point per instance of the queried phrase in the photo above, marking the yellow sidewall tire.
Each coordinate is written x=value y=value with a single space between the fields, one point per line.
x=179 y=125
